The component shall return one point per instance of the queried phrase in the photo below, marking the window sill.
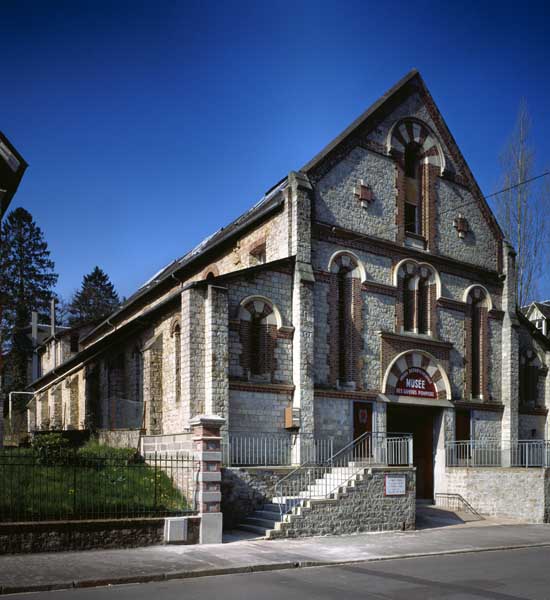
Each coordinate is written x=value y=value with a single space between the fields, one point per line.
x=413 y=240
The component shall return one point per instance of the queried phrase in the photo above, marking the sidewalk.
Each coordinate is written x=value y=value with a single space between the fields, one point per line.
x=35 y=572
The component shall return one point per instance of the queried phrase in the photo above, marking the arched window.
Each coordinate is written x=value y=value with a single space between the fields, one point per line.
x=408 y=303
x=413 y=195
x=529 y=370
x=259 y=322
x=346 y=321
x=417 y=283
x=423 y=305
x=176 y=335
x=478 y=303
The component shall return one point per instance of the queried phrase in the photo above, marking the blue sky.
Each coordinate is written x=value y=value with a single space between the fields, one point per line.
x=149 y=124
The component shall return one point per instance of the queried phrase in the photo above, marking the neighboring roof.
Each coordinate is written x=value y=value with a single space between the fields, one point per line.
x=543 y=307
x=536 y=333
x=384 y=105
x=270 y=202
x=12 y=168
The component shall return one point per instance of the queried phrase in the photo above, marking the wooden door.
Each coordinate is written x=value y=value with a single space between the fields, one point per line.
x=362 y=423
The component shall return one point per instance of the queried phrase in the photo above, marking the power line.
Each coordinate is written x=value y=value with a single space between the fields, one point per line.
x=454 y=208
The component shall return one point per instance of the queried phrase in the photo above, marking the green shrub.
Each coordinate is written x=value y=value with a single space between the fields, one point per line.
x=50 y=448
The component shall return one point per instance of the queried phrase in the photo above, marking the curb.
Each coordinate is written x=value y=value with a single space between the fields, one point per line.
x=156 y=577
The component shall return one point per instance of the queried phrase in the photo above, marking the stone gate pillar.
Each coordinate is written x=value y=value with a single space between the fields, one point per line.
x=207 y=452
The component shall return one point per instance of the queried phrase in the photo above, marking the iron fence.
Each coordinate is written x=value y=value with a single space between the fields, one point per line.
x=75 y=484
x=491 y=453
x=244 y=448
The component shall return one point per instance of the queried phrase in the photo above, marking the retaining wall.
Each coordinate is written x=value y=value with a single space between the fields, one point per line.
x=522 y=494
x=362 y=506
x=64 y=536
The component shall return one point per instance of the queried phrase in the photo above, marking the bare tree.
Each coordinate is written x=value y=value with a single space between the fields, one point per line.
x=522 y=209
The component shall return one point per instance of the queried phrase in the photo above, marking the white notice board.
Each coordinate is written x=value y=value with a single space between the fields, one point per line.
x=395 y=484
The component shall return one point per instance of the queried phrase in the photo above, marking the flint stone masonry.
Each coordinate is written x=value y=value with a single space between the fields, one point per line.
x=486 y=425
x=522 y=494
x=379 y=315
x=334 y=419
x=66 y=536
x=247 y=490
x=532 y=427
x=260 y=412
x=119 y=438
x=359 y=508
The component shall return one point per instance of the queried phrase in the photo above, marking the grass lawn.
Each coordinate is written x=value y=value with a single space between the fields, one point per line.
x=81 y=486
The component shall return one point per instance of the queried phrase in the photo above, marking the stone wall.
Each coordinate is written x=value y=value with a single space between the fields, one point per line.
x=361 y=507
x=119 y=438
x=528 y=424
x=486 y=425
x=69 y=536
x=246 y=490
x=334 y=419
x=522 y=494
x=258 y=411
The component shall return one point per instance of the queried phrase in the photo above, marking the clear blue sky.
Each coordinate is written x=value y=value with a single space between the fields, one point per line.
x=149 y=124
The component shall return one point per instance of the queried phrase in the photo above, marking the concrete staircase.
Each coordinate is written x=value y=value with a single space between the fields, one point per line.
x=267 y=520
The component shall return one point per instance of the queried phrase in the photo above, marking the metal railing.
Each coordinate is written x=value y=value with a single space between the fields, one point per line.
x=317 y=480
x=491 y=453
x=273 y=449
x=71 y=484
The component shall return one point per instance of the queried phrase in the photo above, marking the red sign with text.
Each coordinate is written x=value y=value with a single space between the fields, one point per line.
x=417 y=383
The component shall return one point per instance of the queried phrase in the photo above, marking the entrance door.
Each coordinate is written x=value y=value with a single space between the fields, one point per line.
x=419 y=421
x=362 y=423
x=362 y=418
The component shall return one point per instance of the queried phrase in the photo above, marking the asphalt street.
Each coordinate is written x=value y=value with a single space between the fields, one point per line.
x=499 y=575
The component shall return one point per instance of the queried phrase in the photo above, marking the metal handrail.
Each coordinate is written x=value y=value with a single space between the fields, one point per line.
x=305 y=484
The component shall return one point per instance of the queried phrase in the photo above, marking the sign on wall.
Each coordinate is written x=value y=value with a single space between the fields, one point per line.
x=395 y=485
x=417 y=383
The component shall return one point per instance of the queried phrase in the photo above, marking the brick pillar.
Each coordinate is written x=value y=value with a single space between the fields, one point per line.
x=207 y=446
x=302 y=314
x=510 y=356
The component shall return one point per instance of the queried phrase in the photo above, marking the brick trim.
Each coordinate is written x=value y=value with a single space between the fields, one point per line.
x=450 y=304
x=259 y=388
x=351 y=239
x=374 y=287
x=345 y=394
x=529 y=410
x=486 y=406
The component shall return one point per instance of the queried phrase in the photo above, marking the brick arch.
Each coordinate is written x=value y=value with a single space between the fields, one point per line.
x=413 y=131
x=480 y=293
x=423 y=360
x=409 y=266
x=343 y=260
x=259 y=321
x=254 y=306
x=174 y=325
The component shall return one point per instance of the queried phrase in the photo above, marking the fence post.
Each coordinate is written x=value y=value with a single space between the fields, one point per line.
x=207 y=445
x=410 y=449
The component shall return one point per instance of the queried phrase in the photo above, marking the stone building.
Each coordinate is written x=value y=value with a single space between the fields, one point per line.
x=370 y=290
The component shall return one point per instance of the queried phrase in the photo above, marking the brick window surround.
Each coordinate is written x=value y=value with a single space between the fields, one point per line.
x=417 y=293
x=345 y=316
x=419 y=161
x=476 y=343
x=259 y=323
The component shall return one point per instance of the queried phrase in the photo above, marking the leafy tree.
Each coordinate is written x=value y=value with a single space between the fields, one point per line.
x=522 y=209
x=96 y=298
x=27 y=279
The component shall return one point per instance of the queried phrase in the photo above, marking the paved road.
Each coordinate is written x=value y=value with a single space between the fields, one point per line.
x=502 y=575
